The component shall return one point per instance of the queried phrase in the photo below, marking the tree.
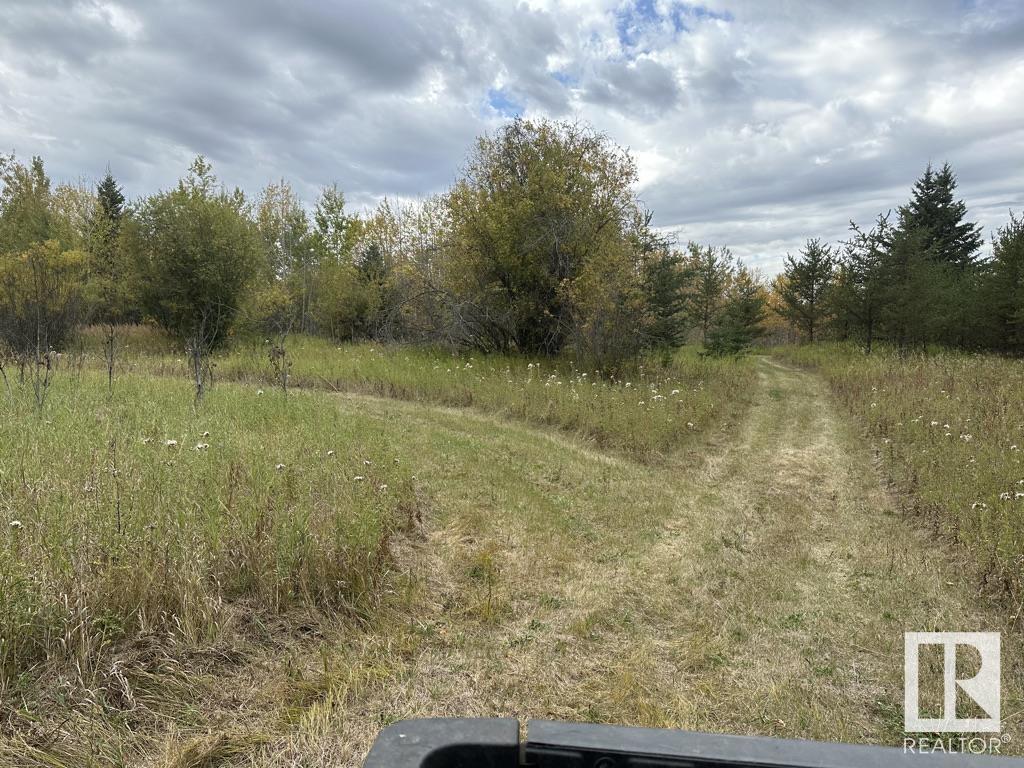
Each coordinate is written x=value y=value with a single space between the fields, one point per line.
x=934 y=211
x=711 y=269
x=538 y=202
x=198 y=253
x=42 y=264
x=666 y=278
x=1003 y=287
x=111 y=275
x=290 y=256
x=808 y=279
x=918 y=292
x=740 y=323
x=935 y=221
x=858 y=289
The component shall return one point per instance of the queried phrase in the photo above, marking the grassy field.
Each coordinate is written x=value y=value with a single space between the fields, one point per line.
x=949 y=428
x=268 y=580
x=649 y=411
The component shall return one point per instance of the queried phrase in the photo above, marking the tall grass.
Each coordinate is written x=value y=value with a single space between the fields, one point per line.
x=132 y=514
x=950 y=428
x=648 y=412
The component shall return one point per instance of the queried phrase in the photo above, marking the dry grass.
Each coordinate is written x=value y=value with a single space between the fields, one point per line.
x=760 y=583
x=949 y=431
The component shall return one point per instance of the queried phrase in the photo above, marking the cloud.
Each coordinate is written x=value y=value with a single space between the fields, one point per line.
x=754 y=125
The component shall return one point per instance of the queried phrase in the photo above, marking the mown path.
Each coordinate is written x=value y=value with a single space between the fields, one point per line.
x=761 y=588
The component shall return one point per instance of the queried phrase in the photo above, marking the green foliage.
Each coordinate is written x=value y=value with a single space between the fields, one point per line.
x=113 y=283
x=740 y=323
x=540 y=205
x=667 y=279
x=935 y=212
x=42 y=267
x=916 y=282
x=1002 y=288
x=712 y=270
x=198 y=252
x=808 y=281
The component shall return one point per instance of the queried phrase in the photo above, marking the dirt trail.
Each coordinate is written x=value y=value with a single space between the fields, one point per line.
x=764 y=589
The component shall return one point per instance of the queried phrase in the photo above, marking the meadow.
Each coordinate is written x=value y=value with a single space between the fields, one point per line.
x=648 y=410
x=132 y=515
x=135 y=518
x=269 y=576
x=949 y=430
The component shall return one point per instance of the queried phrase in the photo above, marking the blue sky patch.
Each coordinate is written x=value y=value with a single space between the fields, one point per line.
x=503 y=103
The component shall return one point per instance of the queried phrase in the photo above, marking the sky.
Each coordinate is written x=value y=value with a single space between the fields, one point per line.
x=754 y=125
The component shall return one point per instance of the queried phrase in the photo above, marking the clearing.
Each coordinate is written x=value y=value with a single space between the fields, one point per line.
x=758 y=585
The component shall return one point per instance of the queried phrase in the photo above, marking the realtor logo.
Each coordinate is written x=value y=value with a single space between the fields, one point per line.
x=982 y=688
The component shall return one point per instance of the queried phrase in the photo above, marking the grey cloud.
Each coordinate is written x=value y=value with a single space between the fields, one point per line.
x=768 y=124
x=642 y=87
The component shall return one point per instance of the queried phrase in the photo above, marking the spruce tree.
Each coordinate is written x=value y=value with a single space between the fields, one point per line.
x=666 y=278
x=1003 y=288
x=806 y=287
x=740 y=323
x=111 y=198
x=941 y=218
x=711 y=268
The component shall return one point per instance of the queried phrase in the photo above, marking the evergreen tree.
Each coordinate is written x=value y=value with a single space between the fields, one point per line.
x=918 y=292
x=740 y=322
x=711 y=269
x=933 y=222
x=935 y=212
x=1003 y=288
x=857 y=293
x=666 y=277
x=807 y=283
x=111 y=198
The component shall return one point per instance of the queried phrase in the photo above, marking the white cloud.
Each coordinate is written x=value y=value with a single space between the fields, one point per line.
x=753 y=124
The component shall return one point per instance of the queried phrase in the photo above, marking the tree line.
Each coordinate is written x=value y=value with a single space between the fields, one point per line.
x=541 y=246
x=915 y=278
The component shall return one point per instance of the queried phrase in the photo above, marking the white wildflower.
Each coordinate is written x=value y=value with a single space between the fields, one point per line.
x=689 y=425
x=202 y=446
x=1014 y=448
x=1005 y=496
x=382 y=487
x=966 y=438
x=674 y=392
x=279 y=467
x=979 y=505
x=330 y=453
x=358 y=478
x=935 y=423
x=366 y=462
x=205 y=435
x=171 y=443
x=16 y=524
x=259 y=392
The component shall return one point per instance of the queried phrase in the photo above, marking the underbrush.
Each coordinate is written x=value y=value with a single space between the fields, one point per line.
x=950 y=429
x=654 y=409
x=133 y=515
